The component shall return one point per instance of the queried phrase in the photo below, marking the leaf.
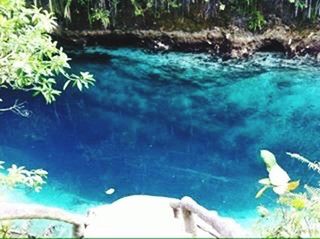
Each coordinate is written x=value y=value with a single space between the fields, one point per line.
x=268 y=158
x=265 y=181
x=41 y=172
x=280 y=189
x=1 y=164
x=277 y=176
x=79 y=85
x=261 y=191
x=222 y=7
x=293 y=185
x=298 y=203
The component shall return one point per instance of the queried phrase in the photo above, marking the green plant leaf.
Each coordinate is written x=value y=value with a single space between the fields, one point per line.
x=293 y=185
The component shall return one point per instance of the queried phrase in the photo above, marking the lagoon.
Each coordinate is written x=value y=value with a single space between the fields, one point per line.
x=169 y=124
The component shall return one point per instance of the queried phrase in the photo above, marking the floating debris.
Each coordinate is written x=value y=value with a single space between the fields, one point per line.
x=110 y=191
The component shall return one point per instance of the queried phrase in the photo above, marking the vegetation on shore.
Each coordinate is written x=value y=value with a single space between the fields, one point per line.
x=180 y=14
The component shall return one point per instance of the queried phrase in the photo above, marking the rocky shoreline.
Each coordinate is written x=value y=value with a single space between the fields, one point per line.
x=228 y=43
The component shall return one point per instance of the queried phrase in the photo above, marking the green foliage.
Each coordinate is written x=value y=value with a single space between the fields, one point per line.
x=298 y=214
x=278 y=179
x=254 y=12
x=101 y=15
x=19 y=176
x=29 y=59
x=143 y=6
x=256 y=21
x=299 y=3
x=139 y=10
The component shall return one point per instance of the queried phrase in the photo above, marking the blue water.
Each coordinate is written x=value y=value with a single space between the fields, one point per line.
x=169 y=124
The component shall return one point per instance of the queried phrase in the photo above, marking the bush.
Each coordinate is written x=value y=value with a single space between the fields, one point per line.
x=298 y=214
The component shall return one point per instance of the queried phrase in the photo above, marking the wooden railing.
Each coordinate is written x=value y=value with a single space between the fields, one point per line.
x=210 y=222
x=219 y=227
x=13 y=211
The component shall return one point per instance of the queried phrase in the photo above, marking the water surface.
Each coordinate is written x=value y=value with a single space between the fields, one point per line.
x=169 y=124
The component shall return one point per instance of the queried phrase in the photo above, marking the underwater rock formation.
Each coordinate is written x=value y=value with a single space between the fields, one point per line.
x=232 y=42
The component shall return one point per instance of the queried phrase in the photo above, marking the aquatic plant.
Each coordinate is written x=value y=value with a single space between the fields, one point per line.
x=298 y=213
x=29 y=59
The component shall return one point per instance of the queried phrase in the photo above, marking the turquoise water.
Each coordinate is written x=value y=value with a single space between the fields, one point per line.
x=169 y=124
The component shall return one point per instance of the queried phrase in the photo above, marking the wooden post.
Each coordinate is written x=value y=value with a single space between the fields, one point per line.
x=189 y=223
x=220 y=226
x=226 y=227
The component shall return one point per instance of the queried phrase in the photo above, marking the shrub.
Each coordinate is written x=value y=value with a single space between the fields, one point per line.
x=298 y=213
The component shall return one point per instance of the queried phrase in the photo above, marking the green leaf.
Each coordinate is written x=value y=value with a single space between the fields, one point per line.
x=293 y=185
x=66 y=84
x=79 y=85
x=33 y=60
x=298 y=203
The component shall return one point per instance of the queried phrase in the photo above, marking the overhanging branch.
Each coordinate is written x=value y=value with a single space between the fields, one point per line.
x=18 y=108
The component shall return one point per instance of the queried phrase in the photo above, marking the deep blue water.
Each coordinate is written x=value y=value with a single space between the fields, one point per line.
x=169 y=124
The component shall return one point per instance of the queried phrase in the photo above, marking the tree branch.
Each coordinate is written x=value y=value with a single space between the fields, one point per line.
x=18 y=108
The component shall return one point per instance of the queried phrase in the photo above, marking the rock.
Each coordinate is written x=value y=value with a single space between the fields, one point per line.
x=232 y=42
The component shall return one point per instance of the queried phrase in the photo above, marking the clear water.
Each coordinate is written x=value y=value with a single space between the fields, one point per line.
x=169 y=124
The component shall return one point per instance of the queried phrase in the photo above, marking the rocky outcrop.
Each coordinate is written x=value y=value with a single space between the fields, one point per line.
x=230 y=42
